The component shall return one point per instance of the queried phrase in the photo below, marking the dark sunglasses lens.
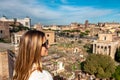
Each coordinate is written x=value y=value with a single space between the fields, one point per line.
x=45 y=44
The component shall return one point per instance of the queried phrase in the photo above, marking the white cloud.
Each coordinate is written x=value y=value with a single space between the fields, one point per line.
x=45 y=14
x=64 y=1
x=21 y=8
x=86 y=11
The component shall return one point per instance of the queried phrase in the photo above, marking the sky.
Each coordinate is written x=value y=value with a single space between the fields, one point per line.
x=62 y=12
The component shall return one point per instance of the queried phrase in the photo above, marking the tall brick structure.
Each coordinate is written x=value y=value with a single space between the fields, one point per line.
x=4 y=30
x=86 y=23
x=4 y=66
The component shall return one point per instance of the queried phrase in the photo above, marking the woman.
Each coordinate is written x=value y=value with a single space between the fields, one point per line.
x=33 y=45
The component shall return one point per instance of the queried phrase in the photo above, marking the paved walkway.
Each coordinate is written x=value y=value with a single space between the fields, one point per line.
x=5 y=46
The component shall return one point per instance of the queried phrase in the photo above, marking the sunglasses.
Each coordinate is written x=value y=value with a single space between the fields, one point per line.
x=45 y=44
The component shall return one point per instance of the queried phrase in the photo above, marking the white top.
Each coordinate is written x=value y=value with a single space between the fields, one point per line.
x=37 y=75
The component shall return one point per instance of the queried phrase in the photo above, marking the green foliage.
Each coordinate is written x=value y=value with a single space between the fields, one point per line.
x=71 y=31
x=101 y=66
x=82 y=65
x=66 y=45
x=116 y=75
x=87 y=31
x=18 y=28
x=79 y=41
x=71 y=35
x=75 y=30
x=68 y=33
x=117 y=55
x=74 y=67
x=88 y=48
x=83 y=34
x=1 y=40
x=4 y=40
x=61 y=34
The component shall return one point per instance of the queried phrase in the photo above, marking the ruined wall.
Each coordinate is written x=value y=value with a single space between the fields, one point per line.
x=4 y=66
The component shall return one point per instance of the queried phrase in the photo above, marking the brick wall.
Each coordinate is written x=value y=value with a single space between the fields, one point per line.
x=4 y=66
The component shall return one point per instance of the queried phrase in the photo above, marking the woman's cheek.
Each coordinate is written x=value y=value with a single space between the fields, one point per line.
x=44 y=52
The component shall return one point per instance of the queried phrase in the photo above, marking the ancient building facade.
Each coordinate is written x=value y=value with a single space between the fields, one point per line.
x=5 y=27
x=26 y=21
x=50 y=35
x=15 y=38
x=108 y=24
x=105 y=45
x=4 y=30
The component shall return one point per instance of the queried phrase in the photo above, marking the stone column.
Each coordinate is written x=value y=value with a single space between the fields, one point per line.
x=112 y=51
x=12 y=39
x=15 y=39
x=96 y=51
x=107 y=50
x=93 y=48
x=99 y=48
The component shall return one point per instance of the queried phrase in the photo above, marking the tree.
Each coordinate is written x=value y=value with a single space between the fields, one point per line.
x=87 y=32
x=18 y=28
x=61 y=33
x=79 y=41
x=116 y=75
x=71 y=35
x=117 y=55
x=88 y=48
x=74 y=67
x=102 y=66
x=83 y=34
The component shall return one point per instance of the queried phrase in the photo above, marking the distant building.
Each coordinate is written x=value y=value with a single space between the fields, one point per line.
x=105 y=45
x=100 y=24
x=5 y=29
x=25 y=22
x=113 y=24
x=15 y=38
x=54 y=27
x=73 y=25
x=86 y=23
x=50 y=36
x=65 y=27
x=38 y=26
x=109 y=24
x=92 y=25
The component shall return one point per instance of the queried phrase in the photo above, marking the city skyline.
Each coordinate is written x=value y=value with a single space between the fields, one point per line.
x=62 y=11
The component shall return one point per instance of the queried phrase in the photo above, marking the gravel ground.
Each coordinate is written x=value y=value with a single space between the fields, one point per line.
x=5 y=46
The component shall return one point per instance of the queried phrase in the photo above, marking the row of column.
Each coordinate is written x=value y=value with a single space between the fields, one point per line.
x=101 y=49
x=15 y=39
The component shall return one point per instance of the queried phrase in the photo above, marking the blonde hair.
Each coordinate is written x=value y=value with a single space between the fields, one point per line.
x=29 y=53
